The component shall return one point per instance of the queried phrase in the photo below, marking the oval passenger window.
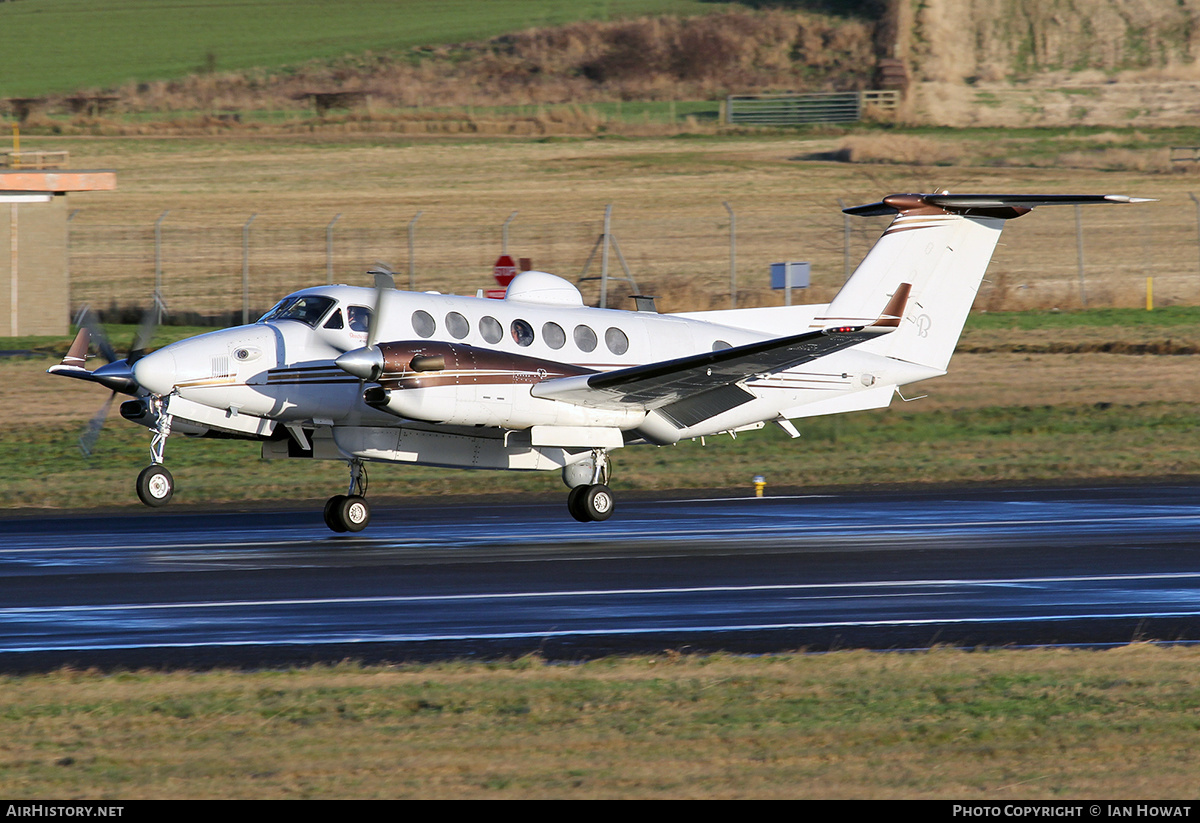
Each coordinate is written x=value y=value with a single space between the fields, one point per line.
x=423 y=323
x=616 y=341
x=585 y=338
x=491 y=329
x=457 y=325
x=522 y=332
x=554 y=336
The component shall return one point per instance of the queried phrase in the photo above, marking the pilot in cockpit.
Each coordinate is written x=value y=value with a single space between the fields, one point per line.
x=359 y=317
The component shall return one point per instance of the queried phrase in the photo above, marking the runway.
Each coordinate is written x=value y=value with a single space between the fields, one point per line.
x=885 y=570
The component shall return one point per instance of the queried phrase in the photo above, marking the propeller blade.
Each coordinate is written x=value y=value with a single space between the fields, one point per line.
x=88 y=320
x=87 y=440
x=384 y=280
x=146 y=329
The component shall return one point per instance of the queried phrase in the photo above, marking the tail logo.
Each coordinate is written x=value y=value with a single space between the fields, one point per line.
x=924 y=323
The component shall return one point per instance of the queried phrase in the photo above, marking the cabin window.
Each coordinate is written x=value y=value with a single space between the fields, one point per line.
x=720 y=344
x=616 y=341
x=522 y=332
x=554 y=335
x=491 y=329
x=360 y=318
x=585 y=338
x=457 y=325
x=423 y=323
x=335 y=320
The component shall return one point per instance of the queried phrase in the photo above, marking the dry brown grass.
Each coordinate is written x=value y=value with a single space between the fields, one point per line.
x=667 y=197
x=983 y=726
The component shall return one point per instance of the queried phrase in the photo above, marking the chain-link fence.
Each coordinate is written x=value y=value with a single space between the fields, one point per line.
x=218 y=268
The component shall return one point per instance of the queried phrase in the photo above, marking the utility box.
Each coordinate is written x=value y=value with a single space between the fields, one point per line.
x=35 y=289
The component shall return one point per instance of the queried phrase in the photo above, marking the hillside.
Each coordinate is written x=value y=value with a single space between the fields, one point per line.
x=969 y=62
x=1050 y=62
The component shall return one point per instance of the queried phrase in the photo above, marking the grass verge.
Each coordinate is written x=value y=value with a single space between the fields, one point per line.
x=943 y=724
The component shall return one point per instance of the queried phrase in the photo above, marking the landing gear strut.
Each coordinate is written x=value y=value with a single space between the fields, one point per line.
x=593 y=501
x=350 y=512
x=155 y=486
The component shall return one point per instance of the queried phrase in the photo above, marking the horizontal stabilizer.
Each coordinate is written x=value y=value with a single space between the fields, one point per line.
x=1004 y=206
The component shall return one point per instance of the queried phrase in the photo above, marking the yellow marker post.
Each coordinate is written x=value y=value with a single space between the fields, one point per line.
x=1149 y=294
x=760 y=483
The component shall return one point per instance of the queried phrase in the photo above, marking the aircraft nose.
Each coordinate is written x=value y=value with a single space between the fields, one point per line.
x=156 y=372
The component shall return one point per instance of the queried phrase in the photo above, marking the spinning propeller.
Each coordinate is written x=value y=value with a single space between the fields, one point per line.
x=116 y=373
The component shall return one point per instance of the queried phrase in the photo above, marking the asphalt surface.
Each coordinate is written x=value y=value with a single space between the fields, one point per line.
x=1086 y=566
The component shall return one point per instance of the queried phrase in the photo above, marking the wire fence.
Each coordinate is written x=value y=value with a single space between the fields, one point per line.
x=219 y=268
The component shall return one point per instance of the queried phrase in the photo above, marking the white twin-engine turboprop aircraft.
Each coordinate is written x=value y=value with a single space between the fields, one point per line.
x=540 y=381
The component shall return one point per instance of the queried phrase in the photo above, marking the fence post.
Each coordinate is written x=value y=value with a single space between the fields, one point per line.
x=158 y=301
x=1197 y=202
x=412 y=271
x=504 y=233
x=845 y=241
x=329 y=249
x=246 y=270
x=732 y=255
x=1079 y=250
x=604 y=257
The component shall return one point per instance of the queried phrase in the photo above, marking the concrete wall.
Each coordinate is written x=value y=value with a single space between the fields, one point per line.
x=34 y=284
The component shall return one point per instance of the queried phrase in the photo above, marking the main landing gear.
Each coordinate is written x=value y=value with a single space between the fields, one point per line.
x=594 y=501
x=350 y=512
x=155 y=486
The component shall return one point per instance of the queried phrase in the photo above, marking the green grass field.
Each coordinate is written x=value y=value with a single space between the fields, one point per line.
x=106 y=43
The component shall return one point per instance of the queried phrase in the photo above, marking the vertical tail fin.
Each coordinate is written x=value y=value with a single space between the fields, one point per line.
x=941 y=244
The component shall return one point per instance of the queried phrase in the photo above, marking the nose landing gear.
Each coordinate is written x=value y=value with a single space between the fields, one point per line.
x=155 y=485
x=350 y=512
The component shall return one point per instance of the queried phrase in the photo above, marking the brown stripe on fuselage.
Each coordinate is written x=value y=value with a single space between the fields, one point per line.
x=466 y=366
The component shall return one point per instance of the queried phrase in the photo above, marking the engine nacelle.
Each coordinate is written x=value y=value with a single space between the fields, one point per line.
x=466 y=386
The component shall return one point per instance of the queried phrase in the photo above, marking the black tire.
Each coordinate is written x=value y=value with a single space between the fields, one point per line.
x=332 y=518
x=354 y=513
x=598 y=501
x=575 y=506
x=155 y=486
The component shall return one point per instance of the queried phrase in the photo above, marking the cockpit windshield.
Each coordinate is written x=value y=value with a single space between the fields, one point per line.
x=308 y=309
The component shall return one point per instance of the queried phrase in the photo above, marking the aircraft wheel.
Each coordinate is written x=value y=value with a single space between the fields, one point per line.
x=598 y=502
x=575 y=506
x=354 y=513
x=332 y=506
x=155 y=486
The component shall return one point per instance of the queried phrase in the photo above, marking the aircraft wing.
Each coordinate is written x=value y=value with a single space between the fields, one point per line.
x=702 y=385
